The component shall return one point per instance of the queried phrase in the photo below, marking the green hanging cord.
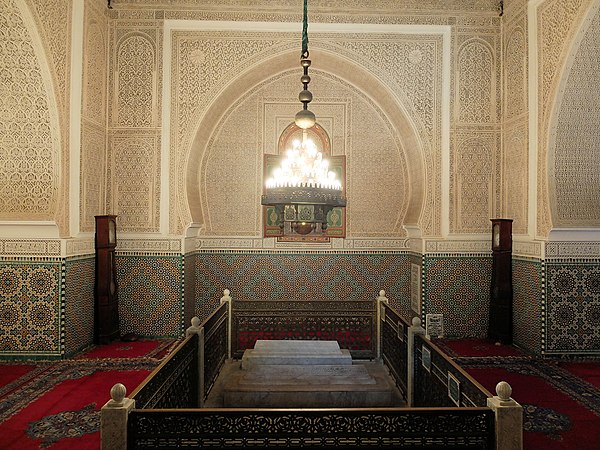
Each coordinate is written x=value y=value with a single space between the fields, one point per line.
x=304 y=54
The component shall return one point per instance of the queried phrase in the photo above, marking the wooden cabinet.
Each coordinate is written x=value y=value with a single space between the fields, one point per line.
x=106 y=314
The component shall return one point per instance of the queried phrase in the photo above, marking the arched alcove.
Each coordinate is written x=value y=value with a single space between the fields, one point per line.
x=573 y=162
x=337 y=67
x=31 y=141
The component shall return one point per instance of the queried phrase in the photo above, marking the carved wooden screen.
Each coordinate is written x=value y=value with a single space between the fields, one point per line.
x=351 y=323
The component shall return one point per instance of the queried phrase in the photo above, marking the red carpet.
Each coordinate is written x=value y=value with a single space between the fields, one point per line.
x=552 y=419
x=16 y=371
x=57 y=404
x=561 y=400
x=588 y=371
x=476 y=348
x=136 y=349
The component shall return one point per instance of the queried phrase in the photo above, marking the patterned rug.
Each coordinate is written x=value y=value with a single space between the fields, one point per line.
x=57 y=404
x=560 y=399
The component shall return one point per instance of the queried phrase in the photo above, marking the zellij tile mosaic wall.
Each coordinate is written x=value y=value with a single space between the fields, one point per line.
x=300 y=276
x=572 y=306
x=31 y=309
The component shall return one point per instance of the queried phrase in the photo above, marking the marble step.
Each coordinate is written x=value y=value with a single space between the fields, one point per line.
x=303 y=386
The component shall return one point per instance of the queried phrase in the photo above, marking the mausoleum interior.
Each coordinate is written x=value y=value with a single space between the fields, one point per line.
x=438 y=115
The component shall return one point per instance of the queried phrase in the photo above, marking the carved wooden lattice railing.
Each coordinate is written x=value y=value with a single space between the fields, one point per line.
x=394 y=346
x=472 y=425
x=215 y=346
x=174 y=383
x=449 y=428
x=440 y=382
x=351 y=323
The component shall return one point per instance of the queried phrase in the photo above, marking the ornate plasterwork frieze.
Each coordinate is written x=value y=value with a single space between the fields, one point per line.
x=529 y=249
x=448 y=246
x=77 y=247
x=223 y=243
x=377 y=244
x=572 y=250
x=30 y=247
x=46 y=247
x=364 y=7
x=149 y=245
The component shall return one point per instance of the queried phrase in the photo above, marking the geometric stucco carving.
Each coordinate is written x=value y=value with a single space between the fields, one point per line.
x=231 y=177
x=135 y=188
x=473 y=180
x=364 y=7
x=29 y=142
x=92 y=186
x=134 y=80
x=574 y=168
x=476 y=94
x=52 y=20
x=514 y=184
x=515 y=73
x=204 y=63
x=407 y=65
x=557 y=23
x=475 y=149
x=515 y=163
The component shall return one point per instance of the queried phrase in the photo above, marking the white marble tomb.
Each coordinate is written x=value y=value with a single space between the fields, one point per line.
x=303 y=374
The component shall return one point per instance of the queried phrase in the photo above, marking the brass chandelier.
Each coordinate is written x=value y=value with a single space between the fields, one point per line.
x=303 y=189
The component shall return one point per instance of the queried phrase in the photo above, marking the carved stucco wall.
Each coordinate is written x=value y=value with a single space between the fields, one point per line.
x=574 y=163
x=377 y=179
x=135 y=41
x=417 y=83
x=134 y=141
x=515 y=161
x=93 y=111
x=53 y=20
x=475 y=139
x=205 y=64
x=32 y=157
x=558 y=22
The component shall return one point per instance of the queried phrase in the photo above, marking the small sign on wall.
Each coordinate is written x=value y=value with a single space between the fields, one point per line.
x=426 y=358
x=434 y=326
x=415 y=288
x=454 y=389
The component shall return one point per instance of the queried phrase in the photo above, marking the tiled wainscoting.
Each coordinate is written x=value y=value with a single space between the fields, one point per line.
x=47 y=303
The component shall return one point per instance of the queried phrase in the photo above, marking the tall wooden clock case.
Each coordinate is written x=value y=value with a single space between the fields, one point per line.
x=106 y=314
x=501 y=288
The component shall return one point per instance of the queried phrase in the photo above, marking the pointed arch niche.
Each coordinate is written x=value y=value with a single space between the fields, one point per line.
x=366 y=122
x=573 y=163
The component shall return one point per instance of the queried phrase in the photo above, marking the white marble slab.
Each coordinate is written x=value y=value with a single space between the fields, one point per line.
x=299 y=346
x=282 y=352
x=302 y=386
